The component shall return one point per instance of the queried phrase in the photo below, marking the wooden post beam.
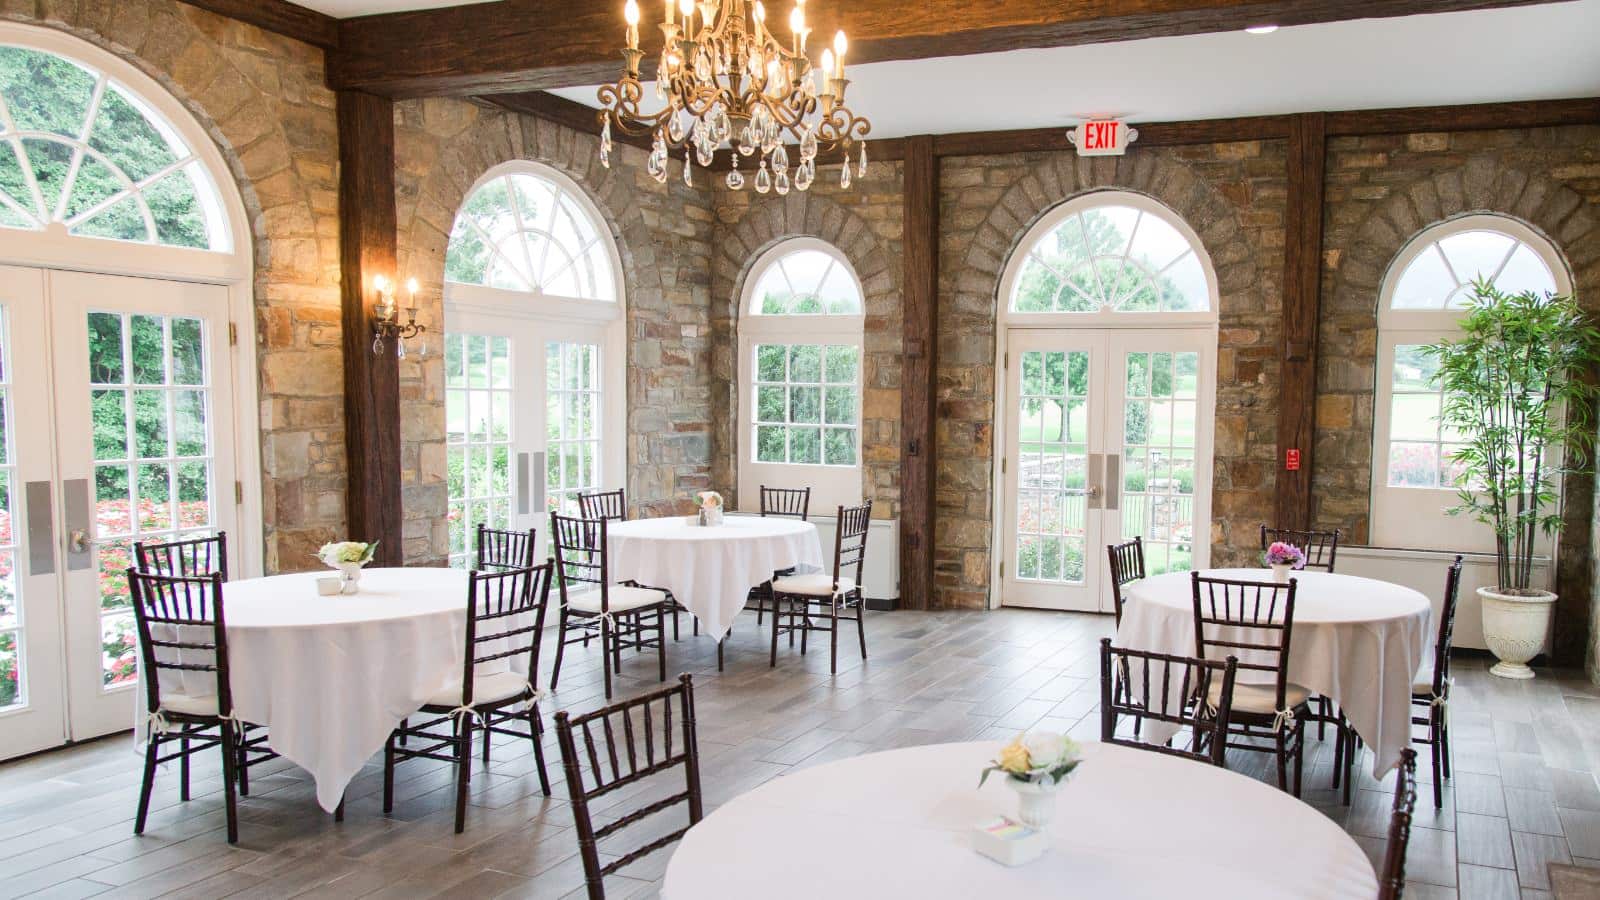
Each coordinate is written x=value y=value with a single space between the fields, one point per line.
x=919 y=371
x=1302 y=291
x=367 y=248
x=279 y=17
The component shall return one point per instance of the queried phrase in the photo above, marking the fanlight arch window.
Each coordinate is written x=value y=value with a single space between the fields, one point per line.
x=82 y=153
x=522 y=230
x=1109 y=253
x=1424 y=298
x=807 y=281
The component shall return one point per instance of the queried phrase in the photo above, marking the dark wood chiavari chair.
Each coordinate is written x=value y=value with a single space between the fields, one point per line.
x=498 y=549
x=609 y=505
x=1255 y=621
x=1127 y=566
x=591 y=606
x=192 y=557
x=779 y=503
x=610 y=771
x=1138 y=685
x=795 y=596
x=1392 y=879
x=505 y=618
x=1430 y=690
x=183 y=638
x=1320 y=547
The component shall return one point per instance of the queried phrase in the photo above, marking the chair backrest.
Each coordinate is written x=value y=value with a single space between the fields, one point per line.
x=611 y=505
x=1447 y=628
x=1392 y=880
x=1223 y=611
x=615 y=759
x=505 y=620
x=1127 y=565
x=497 y=549
x=580 y=546
x=792 y=502
x=181 y=629
x=192 y=557
x=850 y=542
x=1320 y=547
x=1140 y=686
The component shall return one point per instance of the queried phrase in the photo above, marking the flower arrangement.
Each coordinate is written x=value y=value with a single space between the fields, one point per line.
x=709 y=499
x=1284 y=554
x=1042 y=758
x=342 y=553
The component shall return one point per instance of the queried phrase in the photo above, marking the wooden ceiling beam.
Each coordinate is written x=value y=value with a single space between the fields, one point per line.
x=558 y=109
x=279 y=17
x=519 y=45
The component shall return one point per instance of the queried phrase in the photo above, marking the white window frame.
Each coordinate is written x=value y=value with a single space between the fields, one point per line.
x=831 y=486
x=232 y=265
x=1410 y=517
x=1105 y=317
x=473 y=308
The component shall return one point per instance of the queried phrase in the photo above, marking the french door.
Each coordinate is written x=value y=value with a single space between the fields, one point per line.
x=1108 y=435
x=529 y=412
x=118 y=416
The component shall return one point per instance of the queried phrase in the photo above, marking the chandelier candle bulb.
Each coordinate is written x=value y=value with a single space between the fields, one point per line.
x=630 y=13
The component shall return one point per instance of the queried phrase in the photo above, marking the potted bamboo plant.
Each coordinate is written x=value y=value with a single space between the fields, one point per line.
x=1517 y=389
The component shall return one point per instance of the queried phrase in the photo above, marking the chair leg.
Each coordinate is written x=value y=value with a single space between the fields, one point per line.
x=229 y=797
x=661 y=641
x=183 y=769
x=242 y=766
x=388 y=774
x=1352 y=752
x=151 y=751
x=1444 y=738
x=1338 y=753
x=463 y=771
x=561 y=646
x=675 y=635
x=1283 y=760
x=487 y=740
x=605 y=657
x=775 y=616
x=534 y=728
x=833 y=637
x=338 y=811
x=720 y=643
x=1299 y=756
x=861 y=625
x=1435 y=748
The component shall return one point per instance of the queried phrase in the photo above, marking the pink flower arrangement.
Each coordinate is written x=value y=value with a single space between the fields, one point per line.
x=1281 y=554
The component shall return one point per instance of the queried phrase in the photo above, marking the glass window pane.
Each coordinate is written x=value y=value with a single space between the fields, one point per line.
x=150 y=424
x=105 y=348
x=1413 y=465
x=189 y=423
x=149 y=350
x=805 y=363
x=771 y=363
x=771 y=442
x=805 y=445
x=840 y=447
x=108 y=410
x=188 y=366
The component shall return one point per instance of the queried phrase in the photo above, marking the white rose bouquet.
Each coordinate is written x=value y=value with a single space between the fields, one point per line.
x=347 y=553
x=709 y=499
x=1043 y=757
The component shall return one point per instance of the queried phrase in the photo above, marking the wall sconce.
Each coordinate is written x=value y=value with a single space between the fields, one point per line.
x=385 y=319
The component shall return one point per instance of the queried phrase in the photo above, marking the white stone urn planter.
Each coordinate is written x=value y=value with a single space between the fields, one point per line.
x=1514 y=627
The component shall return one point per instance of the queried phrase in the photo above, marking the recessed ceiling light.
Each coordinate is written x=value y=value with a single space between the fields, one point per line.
x=1262 y=29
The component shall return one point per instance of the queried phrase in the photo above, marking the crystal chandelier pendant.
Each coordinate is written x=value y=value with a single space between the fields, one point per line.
x=804 y=174
x=605 y=143
x=780 y=158
x=377 y=346
x=721 y=128
x=763 y=180
x=400 y=348
x=844 y=174
x=862 y=169
x=735 y=179
x=688 y=169
x=747 y=142
x=782 y=184
x=656 y=165
x=808 y=145
x=675 y=129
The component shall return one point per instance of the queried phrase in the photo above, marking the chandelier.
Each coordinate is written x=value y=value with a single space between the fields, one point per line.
x=727 y=81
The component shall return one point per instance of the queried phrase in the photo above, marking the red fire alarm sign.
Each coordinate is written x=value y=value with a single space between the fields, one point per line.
x=1291 y=459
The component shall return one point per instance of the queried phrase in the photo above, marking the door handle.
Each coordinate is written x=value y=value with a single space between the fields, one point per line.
x=1094 y=490
x=1091 y=476
x=75 y=497
x=78 y=542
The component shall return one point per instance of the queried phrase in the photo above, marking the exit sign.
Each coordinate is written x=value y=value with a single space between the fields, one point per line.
x=1102 y=137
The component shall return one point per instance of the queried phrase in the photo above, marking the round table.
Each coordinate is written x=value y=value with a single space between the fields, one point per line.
x=1356 y=640
x=1130 y=824
x=331 y=677
x=710 y=569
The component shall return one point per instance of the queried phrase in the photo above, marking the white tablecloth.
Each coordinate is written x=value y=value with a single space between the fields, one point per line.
x=710 y=570
x=331 y=677
x=1130 y=824
x=1356 y=640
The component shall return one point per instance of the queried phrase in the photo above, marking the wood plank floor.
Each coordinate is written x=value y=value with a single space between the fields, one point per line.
x=1524 y=792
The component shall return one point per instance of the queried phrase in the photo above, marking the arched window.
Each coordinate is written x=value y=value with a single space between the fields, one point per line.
x=526 y=231
x=1424 y=298
x=1110 y=253
x=800 y=338
x=82 y=153
x=535 y=389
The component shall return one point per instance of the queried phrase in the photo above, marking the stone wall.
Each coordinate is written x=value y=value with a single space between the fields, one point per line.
x=1233 y=196
x=262 y=100
x=663 y=235
x=865 y=224
x=1381 y=192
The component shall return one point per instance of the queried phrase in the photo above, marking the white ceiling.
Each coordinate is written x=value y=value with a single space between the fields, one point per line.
x=344 y=9
x=1525 y=53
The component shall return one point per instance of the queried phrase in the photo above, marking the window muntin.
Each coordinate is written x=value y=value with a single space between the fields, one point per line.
x=521 y=231
x=80 y=151
x=1112 y=257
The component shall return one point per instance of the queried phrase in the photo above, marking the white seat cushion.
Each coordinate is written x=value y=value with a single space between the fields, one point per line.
x=819 y=584
x=1260 y=699
x=622 y=599
x=1423 y=683
x=485 y=689
x=188 y=704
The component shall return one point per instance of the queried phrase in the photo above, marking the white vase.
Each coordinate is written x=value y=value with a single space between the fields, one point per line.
x=1036 y=802
x=349 y=577
x=1514 y=627
x=1280 y=572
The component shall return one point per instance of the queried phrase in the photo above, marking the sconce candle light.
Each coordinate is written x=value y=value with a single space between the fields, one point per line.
x=386 y=322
